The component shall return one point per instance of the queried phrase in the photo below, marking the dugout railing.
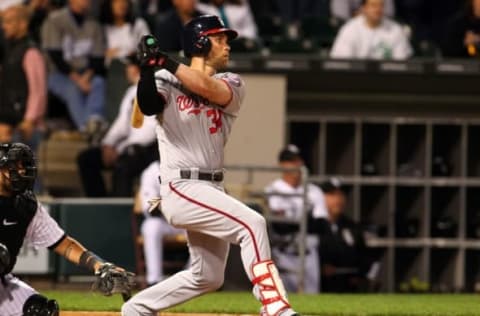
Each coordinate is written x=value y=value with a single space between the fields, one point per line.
x=272 y=218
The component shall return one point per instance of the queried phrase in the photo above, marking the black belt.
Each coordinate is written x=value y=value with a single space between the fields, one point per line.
x=216 y=176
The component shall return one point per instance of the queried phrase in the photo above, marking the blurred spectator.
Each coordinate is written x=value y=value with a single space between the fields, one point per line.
x=235 y=14
x=462 y=37
x=154 y=227
x=39 y=10
x=169 y=26
x=293 y=12
x=346 y=9
x=75 y=46
x=371 y=35
x=123 y=30
x=346 y=264
x=23 y=86
x=5 y=4
x=285 y=251
x=126 y=150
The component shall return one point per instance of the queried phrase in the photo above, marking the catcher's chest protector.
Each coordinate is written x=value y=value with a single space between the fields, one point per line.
x=13 y=228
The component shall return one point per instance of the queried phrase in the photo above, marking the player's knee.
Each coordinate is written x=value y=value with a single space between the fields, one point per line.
x=39 y=305
x=210 y=283
x=132 y=308
x=258 y=223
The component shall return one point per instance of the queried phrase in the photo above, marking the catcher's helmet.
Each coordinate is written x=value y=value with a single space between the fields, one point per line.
x=16 y=157
x=195 y=34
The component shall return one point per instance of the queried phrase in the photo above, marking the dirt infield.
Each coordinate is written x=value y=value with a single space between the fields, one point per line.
x=66 y=313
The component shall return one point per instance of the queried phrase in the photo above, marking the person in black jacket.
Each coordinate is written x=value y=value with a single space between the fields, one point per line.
x=463 y=32
x=169 y=26
x=346 y=265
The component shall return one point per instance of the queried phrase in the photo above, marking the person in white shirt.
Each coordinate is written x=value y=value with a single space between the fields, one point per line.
x=122 y=29
x=154 y=227
x=346 y=9
x=371 y=35
x=235 y=14
x=126 y=150
x=291 y=207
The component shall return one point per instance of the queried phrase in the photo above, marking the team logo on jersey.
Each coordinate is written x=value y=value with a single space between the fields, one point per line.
x=195 y=106
x=191 y=105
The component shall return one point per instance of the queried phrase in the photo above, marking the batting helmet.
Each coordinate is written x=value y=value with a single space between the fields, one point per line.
x=20 y=161
x=195 y=34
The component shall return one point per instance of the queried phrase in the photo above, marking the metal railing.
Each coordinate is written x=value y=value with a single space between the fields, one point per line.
x=302 y=221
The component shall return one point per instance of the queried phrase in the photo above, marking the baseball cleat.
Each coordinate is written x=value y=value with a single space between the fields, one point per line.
x=285 y=312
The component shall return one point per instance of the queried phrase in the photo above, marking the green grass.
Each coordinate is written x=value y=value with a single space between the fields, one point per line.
x=331 y=305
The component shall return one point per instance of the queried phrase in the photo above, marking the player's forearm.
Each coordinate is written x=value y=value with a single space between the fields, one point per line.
x=74 y=252
x=204 y=85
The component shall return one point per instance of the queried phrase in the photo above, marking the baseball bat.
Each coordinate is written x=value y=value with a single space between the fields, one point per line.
x=137 y=115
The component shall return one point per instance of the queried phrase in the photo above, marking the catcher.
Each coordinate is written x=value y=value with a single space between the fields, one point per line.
x=22 y=218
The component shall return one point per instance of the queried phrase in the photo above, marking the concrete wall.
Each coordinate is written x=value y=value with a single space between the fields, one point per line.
x=259 y=132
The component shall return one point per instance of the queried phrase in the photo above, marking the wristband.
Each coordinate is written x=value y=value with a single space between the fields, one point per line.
x=88 y=259
x=171 y=65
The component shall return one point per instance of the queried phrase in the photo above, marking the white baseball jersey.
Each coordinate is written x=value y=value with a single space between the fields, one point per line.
x=293 y=206
x=42 y=231
x=193 y=133
x=287 y=258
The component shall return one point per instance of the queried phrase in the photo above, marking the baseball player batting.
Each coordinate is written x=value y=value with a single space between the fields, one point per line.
x=196 y=108
x=22 y=218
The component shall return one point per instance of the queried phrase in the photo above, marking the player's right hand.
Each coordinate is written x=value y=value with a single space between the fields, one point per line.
x=149 y=53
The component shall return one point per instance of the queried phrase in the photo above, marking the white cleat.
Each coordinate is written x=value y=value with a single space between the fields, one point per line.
x=285 y=312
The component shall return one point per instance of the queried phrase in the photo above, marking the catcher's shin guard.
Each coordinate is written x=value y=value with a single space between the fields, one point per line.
x=269 y=289
x=39 y=305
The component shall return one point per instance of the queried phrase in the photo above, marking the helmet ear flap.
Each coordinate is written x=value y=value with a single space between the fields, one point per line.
x=202 y=46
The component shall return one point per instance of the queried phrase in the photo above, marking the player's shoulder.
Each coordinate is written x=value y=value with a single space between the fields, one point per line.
x=232 y=78
x=354 y=23
x=165 y=75
x=391 y=25
x=277 y=185
x=131 y=90
x=314 y=188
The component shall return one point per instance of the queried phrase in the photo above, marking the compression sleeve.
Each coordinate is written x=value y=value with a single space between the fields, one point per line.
x=149 y=99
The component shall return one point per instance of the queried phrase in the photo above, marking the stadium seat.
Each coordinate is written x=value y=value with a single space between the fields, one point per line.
x=245 y=45
x=323 y=30
x=288 y=45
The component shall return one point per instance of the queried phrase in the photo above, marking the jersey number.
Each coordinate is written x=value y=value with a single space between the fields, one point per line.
x=216 y=119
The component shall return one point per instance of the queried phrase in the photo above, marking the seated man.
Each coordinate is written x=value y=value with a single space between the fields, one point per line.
x=126 y=150
x=75 y=46
x=371 y=35
x=24 y=219
x=154 y=227
x=346 y=263
x=286 y=252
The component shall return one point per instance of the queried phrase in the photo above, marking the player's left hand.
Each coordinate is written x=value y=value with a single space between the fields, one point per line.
x=149 y=53
x=112 y=279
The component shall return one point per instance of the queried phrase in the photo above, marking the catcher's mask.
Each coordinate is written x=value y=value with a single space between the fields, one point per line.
x=19 y=160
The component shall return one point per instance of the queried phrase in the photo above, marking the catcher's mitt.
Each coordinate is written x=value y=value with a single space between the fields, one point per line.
x=111 y=280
